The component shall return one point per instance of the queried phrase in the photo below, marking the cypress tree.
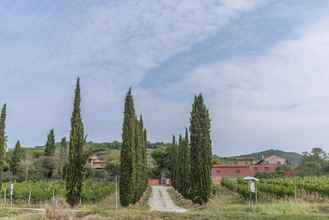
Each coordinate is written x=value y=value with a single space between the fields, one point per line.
x=127 y=165
x=183 y=166
x=173 y=161
x=16 y=158
x=50 y=145
x=145 y=159
x=186 y=166
x=3 y=139
x=201 y=152
x=139 y=183
x=144 y=156
x=179 y=165
x=63 y=156
x=76 y=159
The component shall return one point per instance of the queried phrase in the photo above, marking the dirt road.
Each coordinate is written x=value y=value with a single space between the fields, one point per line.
x=161 y=201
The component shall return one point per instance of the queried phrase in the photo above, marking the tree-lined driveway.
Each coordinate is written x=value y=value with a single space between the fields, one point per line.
x=162 y=202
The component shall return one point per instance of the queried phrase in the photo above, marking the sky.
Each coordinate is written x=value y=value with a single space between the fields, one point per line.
x=262 y=66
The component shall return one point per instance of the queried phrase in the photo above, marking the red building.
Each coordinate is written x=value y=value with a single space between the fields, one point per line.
x=238 y=170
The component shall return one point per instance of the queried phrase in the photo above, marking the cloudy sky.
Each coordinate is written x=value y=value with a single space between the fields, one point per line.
x=262 y=65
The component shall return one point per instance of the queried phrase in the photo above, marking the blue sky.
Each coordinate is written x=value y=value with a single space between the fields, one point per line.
x=261 y=65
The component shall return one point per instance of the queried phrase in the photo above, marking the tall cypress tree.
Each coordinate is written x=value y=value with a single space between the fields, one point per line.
x=186 y=166
x=173 y=161
x=16 y=158
x=3 y=140
x=179 y=165
x=127 y=165
x=201 y=152
x=183 y=166
x=139 y=183
x=50 y=145
x=143 y=156
x=76 y=158
x=145 y=159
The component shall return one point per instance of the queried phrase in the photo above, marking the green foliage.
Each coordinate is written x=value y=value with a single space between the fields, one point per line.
x=173 y=158
x=77 y=159
x=42 y=191
x=17 y=156
x=201 y=152
x=183 y=170
x=280 y=188
x=63 y=155
x=315 y=163
x=3 y=140
x=133 y=159
x=50 y=145
x=162 y=161
x=127 y=169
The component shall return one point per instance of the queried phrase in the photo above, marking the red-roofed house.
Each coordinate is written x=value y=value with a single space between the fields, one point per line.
x=267 y=165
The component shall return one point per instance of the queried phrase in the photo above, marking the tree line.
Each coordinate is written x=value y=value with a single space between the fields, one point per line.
x=191 y=159
x=133 y=161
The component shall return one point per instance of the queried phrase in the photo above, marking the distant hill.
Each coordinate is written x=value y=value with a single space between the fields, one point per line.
x=292 y=157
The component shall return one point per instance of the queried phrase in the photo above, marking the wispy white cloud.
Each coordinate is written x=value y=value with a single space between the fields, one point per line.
x=110 y=45
x=275 y=99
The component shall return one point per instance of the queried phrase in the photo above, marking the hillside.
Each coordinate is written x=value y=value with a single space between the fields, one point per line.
x=292 y=157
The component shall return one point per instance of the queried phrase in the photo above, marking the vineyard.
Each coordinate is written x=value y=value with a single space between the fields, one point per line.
x=283 y=188
x=41 y=191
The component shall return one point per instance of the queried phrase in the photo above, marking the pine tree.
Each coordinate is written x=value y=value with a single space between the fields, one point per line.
x=16 y=158
x=63 y=156
x=127 y=165
x=3 y=140
x=76 y=158
x=50 y=145
x=201 y=152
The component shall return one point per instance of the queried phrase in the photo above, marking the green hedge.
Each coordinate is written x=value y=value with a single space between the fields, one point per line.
x=44 y=190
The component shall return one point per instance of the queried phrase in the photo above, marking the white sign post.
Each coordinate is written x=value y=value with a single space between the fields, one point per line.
x=252 y=190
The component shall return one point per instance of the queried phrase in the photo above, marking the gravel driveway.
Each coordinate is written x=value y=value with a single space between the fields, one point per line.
x=161 y=201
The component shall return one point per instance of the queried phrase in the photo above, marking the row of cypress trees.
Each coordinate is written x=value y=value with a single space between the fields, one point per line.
x=191 y=159
x=133 y=161
x=180 y=169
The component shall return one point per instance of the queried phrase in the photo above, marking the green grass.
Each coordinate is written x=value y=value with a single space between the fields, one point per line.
x=224 y=206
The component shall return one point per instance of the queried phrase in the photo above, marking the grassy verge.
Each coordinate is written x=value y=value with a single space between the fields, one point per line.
x=225 y=205
x=179 y=200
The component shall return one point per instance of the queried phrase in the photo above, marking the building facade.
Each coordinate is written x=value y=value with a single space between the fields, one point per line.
x=243 y=169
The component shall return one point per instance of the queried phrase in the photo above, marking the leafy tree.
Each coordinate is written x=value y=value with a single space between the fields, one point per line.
x=314 y=163
x=127 y=160
x=76 y=158
x=201 y=152
x=161 y=157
